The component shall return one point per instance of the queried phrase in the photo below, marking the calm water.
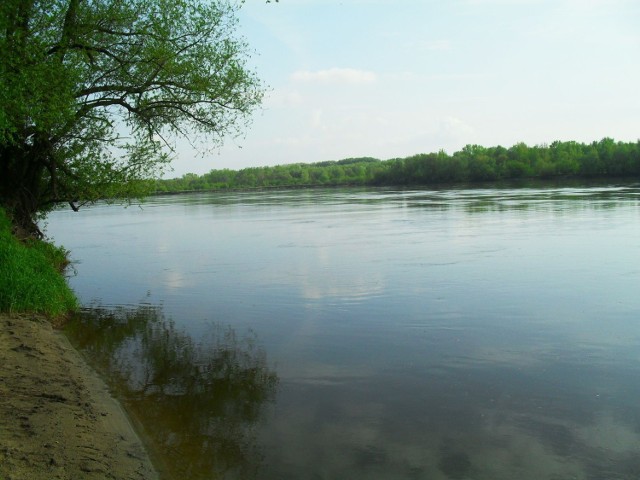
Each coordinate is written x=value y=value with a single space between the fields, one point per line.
x=331 y=334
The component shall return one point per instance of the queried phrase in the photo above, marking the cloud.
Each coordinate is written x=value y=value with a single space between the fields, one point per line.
x=408 y=76
x=284 y=99
x=454 y=127
x=335 y=75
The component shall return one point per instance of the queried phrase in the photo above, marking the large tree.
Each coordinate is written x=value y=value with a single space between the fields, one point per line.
x=92 y=92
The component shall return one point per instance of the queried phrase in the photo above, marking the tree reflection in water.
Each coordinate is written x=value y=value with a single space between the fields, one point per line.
x=197 y=402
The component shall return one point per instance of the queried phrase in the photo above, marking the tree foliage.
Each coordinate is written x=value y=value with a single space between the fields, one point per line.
x=474 y=163
x=92 y=91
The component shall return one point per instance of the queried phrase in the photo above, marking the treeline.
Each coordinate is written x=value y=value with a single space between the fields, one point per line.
x=474 y=163
x=351 y=171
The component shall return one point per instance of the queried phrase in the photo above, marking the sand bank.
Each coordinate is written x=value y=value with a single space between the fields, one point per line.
x=58 y=419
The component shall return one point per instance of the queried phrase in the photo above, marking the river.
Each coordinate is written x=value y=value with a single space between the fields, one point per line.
x=485 y=333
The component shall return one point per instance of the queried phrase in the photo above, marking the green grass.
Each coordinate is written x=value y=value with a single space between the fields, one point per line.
x=31 y=278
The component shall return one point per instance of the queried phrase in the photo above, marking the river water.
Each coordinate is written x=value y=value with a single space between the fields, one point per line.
x=370 y=333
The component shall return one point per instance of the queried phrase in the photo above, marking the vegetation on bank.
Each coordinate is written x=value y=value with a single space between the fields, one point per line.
x=474 y=163
x=30 y=275
x=93 y=91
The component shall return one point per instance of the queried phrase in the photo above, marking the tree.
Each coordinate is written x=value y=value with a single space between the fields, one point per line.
x=92 y=92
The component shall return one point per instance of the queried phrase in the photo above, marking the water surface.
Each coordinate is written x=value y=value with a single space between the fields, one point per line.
x=371 y=333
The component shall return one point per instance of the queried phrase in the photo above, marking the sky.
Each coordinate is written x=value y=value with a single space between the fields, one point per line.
x=393 y=78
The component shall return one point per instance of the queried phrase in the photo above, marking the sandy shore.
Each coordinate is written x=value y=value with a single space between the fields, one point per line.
x=57 y=417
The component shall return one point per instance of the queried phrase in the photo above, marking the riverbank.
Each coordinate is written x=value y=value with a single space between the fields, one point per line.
x=57 y=417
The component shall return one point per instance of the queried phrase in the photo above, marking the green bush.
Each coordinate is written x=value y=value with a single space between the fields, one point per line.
x=31 y=275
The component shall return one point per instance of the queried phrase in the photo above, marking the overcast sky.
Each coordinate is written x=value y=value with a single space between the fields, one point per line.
x=391 y=78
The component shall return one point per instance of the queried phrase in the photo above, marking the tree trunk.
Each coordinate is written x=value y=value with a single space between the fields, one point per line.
x=20 y=181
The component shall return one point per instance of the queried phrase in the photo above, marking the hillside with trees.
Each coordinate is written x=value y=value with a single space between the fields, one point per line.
x=559 y=160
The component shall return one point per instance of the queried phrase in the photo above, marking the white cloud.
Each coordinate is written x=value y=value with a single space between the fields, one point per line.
x=335 y=75
x=283 y=99
x=456 y=128
x=408 y=76
x=316 y=119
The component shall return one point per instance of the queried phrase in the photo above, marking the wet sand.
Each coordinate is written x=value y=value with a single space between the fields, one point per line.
x=58 y=419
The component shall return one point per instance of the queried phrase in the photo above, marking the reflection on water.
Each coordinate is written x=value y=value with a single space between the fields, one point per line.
x=481 y=397
x=485 y=334
x=198 y=402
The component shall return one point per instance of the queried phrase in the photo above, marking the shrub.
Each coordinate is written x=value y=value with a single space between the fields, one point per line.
x=31 y=275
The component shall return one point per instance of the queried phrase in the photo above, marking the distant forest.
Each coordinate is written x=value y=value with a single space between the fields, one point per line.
x=602 y=159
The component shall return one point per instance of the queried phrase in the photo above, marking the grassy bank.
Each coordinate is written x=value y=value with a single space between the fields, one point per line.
x=31 y=278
